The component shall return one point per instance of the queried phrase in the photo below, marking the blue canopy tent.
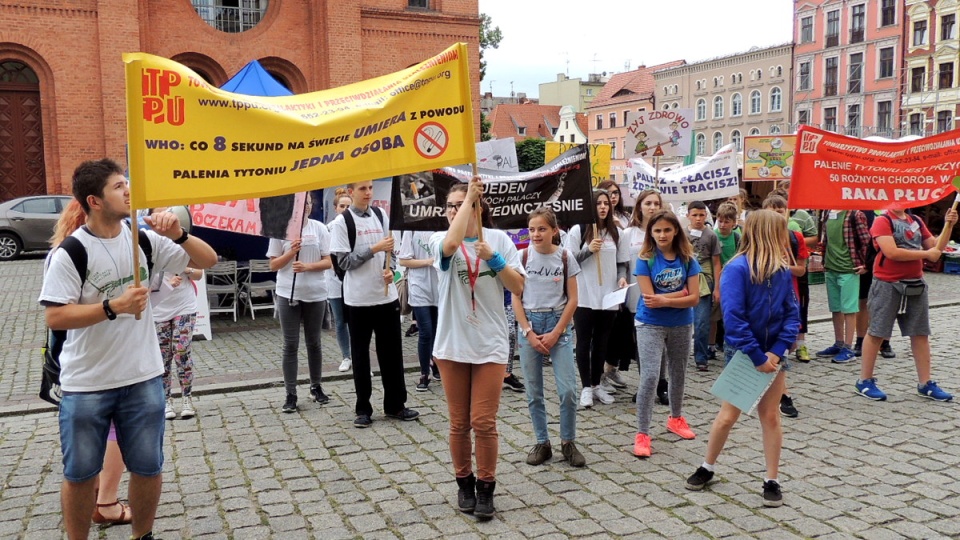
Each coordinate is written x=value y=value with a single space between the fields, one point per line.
x=252 y=80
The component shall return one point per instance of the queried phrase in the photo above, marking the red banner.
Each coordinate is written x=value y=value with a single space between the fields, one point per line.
x=835 y=172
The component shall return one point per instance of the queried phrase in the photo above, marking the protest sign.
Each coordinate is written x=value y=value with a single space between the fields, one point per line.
x=191 y=143
x=599 y=158
x=836 y=172
x=768 y=157
x=715 y=178
x=498 y=155
x=418 y=201
x=274 y=217
x=659 y=133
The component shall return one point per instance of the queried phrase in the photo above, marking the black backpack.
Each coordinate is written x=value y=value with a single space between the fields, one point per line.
x=53 y=344
x=348 y=220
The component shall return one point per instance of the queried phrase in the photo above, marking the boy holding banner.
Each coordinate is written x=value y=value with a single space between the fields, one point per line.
x=898 y=293
x=369 y=310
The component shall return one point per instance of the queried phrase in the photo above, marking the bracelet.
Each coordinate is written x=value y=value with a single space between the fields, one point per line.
x=496 y=263
x=183 y=237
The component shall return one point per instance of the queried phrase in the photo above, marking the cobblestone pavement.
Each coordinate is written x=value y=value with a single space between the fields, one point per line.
x=852 y=468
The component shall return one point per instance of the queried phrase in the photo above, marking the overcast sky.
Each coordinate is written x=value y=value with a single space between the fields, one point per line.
x=540 y=37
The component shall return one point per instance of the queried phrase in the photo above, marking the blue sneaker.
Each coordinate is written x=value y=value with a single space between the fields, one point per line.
x=845 y=356
x=832 y=350
x=932 y=391
x=868 y=389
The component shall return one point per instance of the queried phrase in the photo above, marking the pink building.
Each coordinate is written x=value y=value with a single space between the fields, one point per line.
x=847 y=65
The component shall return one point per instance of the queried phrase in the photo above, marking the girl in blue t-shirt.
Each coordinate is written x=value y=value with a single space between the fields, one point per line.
x=669 y=278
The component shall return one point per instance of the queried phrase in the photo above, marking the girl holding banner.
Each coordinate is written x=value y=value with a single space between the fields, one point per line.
x=307 y=257
x=668 y=276
x=474 y=266
x=621 y=351
x=761 y=316
x=598 y=250
x=342 y=200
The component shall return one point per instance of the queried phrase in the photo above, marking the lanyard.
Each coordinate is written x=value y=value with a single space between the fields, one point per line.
x=471 y=275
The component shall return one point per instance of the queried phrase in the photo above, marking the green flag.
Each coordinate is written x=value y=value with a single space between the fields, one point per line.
x=691 y=158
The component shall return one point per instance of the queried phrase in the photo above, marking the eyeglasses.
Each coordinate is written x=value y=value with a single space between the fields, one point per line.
x=617 y=193
x=454 y=206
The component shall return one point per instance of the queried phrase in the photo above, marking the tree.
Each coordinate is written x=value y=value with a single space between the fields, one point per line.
x=484 y=127
x=530 y=154
x=490 y=37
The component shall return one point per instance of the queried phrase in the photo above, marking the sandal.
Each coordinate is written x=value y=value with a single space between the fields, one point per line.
x=124 y=519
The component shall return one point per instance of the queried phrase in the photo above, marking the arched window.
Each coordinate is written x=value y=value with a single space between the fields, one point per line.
x=775 y=100
x=665 y=91
x=701 y=144
x=774 y=129
x=755 y=102
x=737 y=139
x=717 y=141
x=779 y=71
x=701 y=109
x=721 y=80
x=754 y=132
x=231 y=17
x=698 y=85
x=736 y=105
x=12 y=71
x=718 y=107
x=676 y=104
x=666 y=106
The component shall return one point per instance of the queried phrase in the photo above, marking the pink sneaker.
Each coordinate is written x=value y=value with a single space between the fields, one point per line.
x=641 y=445
x=679 y=426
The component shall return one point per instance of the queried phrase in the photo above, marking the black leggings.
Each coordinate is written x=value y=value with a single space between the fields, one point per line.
x=593 y=328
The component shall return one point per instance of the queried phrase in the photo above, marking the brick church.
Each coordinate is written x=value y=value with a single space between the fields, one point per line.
x=62 y=79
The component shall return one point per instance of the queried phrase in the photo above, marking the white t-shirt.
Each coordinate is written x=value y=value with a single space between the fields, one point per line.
x=465 y=334
x=421 y=282
x=363 y=286
x=632 y=240
x=590 y=291
x=314 y=245
x=109 y=354
x=544 y=286
x=168 y=301
x=334 y=285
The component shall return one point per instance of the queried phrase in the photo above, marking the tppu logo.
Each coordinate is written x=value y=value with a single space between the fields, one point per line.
x=158 y=105
x=809 y=142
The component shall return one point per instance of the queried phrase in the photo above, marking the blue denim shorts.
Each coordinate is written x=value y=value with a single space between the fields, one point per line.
x=137 y=411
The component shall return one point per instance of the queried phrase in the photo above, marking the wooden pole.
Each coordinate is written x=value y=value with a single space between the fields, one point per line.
x=136 y=250
x=386 y=266
x=479 y=208
x=596 y=234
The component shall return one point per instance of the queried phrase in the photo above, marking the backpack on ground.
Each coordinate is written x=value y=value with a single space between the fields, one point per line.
x=53 y=343
x=351 y=224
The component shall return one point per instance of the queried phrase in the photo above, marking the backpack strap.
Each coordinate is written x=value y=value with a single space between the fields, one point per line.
x=348 y=220
x=147 y=248
x=563 y=256
x=78 y=254
x=880 y=254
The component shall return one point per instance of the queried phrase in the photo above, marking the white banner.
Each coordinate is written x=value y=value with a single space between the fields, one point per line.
x=659 y=133
x=498 y=155
x=715 y=178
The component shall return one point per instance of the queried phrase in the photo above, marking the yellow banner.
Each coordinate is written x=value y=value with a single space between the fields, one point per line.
x=599 y=158
x=190 y=143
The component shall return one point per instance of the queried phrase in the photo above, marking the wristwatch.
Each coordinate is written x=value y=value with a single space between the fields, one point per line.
x=111 y=315
x=525 y=331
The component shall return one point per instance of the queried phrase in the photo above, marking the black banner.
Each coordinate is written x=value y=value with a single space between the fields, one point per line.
x=418 y=200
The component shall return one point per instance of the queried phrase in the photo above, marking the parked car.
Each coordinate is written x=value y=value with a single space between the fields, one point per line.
x=26 y=224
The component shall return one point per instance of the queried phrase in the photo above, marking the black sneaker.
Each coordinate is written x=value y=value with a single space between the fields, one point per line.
x=886 y=351
x=362 y=421
x=290 y=405
x=711 y=353
x=662 y=395
x=772 y=497
x=786 y=407
x=412 y=331
x=436 y=373
x=511 y=382
x=317 y=393
x=699 y=479
x=424 y=383
x=404 y=414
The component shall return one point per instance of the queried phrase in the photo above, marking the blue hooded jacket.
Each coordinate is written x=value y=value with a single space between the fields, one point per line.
x=758 y=318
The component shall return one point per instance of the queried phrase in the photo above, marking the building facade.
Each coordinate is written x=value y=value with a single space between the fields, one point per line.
x=732 y=96
x=573 y=126
x=930 y=91
x=524 y=121
x=607 y=114
x=574 y=92
x=847 y=66
x=62 y=79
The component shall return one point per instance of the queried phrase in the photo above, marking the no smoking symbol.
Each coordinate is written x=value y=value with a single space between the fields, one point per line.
x=431 y=140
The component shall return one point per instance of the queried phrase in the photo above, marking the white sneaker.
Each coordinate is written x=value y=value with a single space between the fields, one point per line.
x=168 y=412
x=607 y=386
x=186 y=411
x=602 y=395
x=346 y=364
x=586 y=398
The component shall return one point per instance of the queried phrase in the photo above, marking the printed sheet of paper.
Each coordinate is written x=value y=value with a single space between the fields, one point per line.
x=616 y=298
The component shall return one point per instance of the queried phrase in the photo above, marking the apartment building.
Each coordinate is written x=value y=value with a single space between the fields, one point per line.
x=930 y=91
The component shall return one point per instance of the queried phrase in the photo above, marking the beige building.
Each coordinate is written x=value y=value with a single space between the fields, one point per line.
x=731 y=96
x=574 y=92
x=931 y=93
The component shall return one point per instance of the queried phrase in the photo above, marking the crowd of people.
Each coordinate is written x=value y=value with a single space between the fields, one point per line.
x=720 y=279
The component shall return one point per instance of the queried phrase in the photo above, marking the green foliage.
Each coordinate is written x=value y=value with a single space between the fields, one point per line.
x=490 y=37
x=484 y=127
x=530 y=154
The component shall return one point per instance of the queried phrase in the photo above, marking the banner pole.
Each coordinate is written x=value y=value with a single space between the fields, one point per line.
x=596 y=234
x=303 y=219
x=479 y=207
x=386 y=266
x=656 y=176
x=134 y=226
x=945 y=233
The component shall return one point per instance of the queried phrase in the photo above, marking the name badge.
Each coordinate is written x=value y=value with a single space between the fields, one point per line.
x=694 y=233
x=309 y=240
x=915 y=226
x=833 y=214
